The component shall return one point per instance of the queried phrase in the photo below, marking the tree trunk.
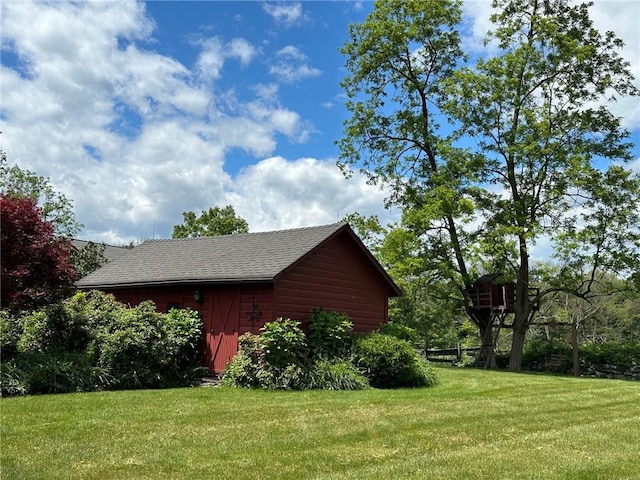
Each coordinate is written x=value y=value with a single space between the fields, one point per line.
x=574 y=348
x=487 y=355
x=517 y=348
x=522 y=311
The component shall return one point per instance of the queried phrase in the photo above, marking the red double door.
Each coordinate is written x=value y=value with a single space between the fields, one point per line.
x=221 y=323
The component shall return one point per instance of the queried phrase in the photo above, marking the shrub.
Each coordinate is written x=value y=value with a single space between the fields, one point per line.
x=403 y=332
x=92 y=342
x=536 y=351
x=10 y=332
x=278 y=358
x=12 y=379
x=51 y=372
x=272 y=360
x=329 y=333
x=283 y=343
x=181 y=341
x=621 y=356
x=98 y=309
x=243 y=369
x=146 y=349
x=389 y=362
x=54 y=328
x=288 y=377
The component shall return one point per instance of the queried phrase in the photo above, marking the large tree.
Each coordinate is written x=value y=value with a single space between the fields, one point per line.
x=54 y=206
x=210 y=223
x=528 y=151
x=35 y=263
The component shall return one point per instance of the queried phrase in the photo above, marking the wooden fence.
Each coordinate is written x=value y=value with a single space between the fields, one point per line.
x=448 y=355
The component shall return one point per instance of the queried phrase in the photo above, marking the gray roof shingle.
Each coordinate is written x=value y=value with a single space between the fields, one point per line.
x=229 y=258
x=110 y=251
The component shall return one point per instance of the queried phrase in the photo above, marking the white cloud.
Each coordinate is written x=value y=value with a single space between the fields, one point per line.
x=476 y=16
x=134 y=137
x=286 y=14
x=211 y=58
x=215 y=52
x=291 y=65
x=276 y=193
x=242 y=50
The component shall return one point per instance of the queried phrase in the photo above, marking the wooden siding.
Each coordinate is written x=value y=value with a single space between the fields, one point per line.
x=263 y=296
x=163 y=297
x=336 y=276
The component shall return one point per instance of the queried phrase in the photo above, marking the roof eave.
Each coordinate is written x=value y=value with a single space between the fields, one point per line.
x=173 y=282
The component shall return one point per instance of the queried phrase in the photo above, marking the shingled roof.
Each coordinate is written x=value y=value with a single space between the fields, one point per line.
x=110 y=251
x=250 y=257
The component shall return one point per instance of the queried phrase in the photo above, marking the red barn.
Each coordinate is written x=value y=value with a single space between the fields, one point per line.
x=239 y=282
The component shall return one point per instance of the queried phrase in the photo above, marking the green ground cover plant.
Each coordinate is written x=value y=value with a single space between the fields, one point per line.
x=475 y=424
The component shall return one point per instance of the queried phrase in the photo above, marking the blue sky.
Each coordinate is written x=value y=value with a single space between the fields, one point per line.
x=140 y=111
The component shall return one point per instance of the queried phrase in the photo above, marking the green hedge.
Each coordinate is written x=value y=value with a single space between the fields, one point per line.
x=281 y=358
x=591 y=356
x=91 y=342
x=389 y=362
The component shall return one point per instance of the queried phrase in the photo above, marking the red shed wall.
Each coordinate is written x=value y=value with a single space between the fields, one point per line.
x=337 y=276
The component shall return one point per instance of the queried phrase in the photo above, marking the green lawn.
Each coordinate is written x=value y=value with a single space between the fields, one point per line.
x=474 y=425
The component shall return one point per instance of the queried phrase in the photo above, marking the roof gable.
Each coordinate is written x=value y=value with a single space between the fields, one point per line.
x=228 y=258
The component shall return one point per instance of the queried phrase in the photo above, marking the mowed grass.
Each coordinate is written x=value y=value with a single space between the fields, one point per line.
x=474 y=425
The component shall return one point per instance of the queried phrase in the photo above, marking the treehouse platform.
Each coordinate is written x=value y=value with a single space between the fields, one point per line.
x=490 y=293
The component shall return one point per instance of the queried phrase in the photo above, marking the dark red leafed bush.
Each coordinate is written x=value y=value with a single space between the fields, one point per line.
x=35 y=264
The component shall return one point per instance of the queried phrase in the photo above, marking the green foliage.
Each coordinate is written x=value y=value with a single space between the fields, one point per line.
x=49 y=372
x=143 y=348
x=210 y=223
x=88 y=258
x=279 y=358
x=336 y=374
x=537 y=351
x=244 y=368
x=273 y=360
x=621 y=356
x=389 y=362
x=592 y=356
x=10 y=332
x=283 y=343
x=13 y=380
x=53 y=328
x=250 y=367
x=329 y=333
x=400 y=331
x=546 y=161
x=55 y=207
x=92 y=342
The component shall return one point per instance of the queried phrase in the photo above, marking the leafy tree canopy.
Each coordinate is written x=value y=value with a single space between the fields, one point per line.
x=54 y=206
x=489 y=159
x=35 y=263
x=88 y=258
x=210 y=223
